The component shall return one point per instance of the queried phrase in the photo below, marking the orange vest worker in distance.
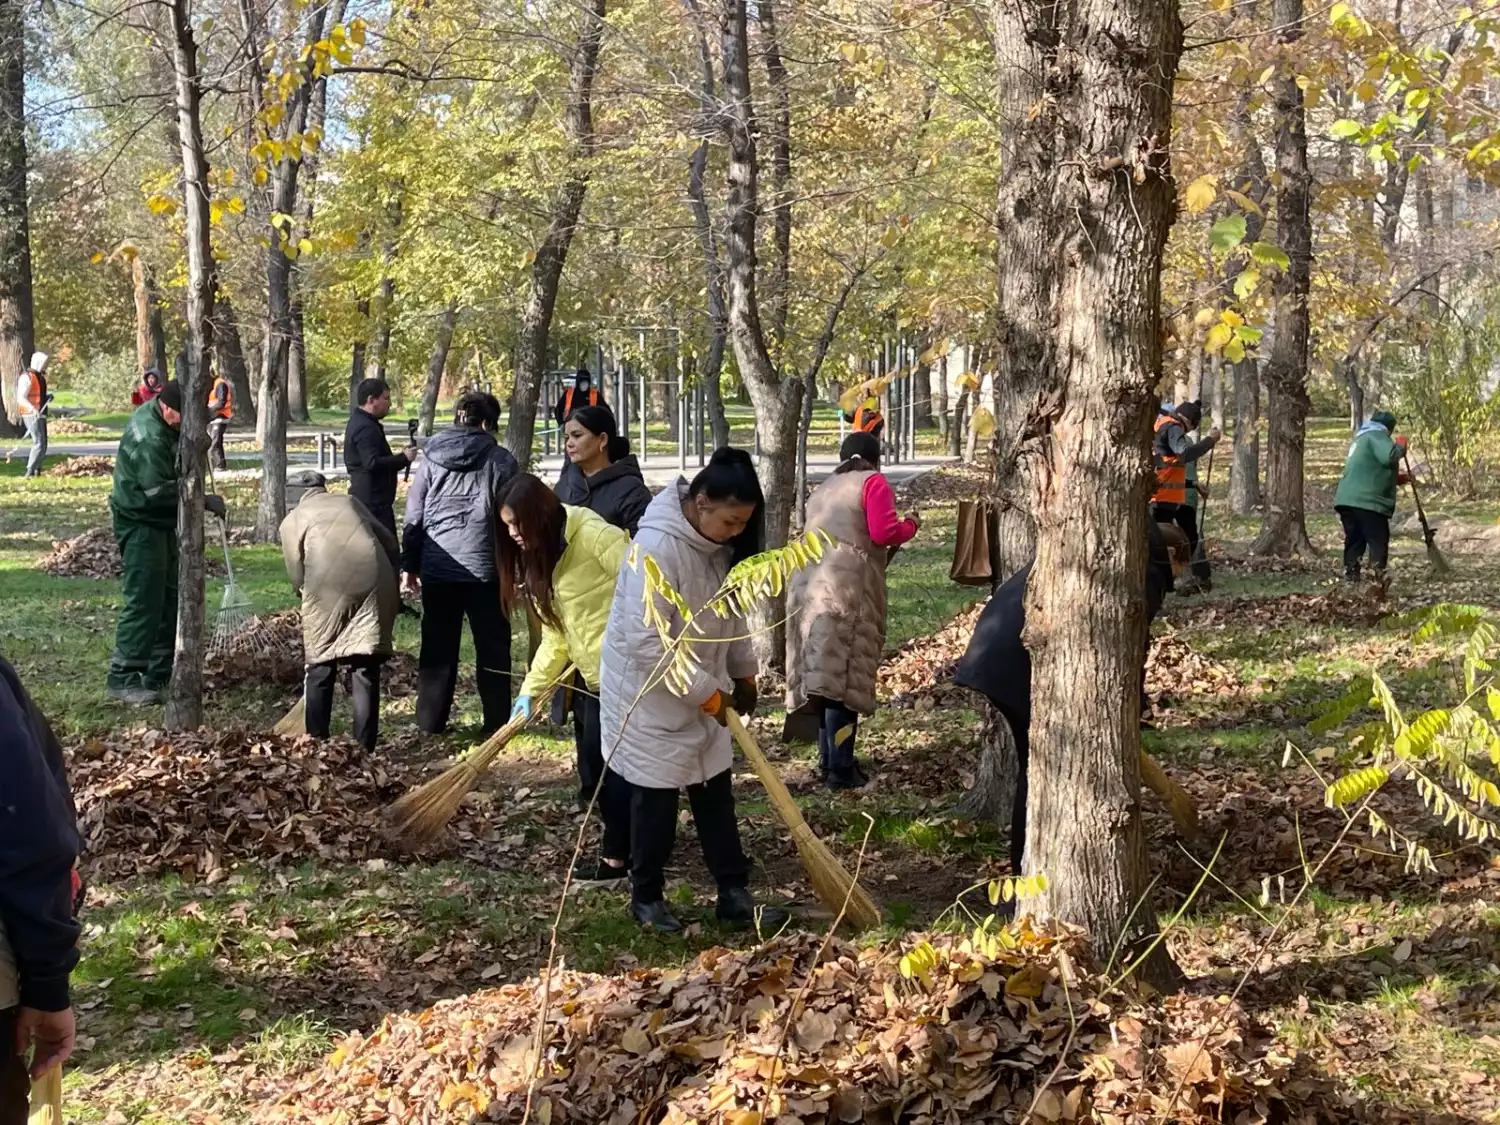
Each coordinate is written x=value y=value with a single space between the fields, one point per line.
x=582 y=393
x=592 y=395
x=1171 y=471
x=221 y=399
x=866 y=420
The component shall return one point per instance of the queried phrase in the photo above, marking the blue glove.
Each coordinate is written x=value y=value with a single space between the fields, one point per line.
x=522 y=709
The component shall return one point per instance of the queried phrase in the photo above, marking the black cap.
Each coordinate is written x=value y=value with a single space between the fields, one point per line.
x=171 y=394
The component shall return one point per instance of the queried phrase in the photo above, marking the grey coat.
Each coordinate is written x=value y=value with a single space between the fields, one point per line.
x=448 y=533
x=339 y=557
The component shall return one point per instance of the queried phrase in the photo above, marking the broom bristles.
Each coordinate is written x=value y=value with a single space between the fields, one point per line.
x=833 y=885
x=1184 y=812
x=420 y=816
x=294 y=722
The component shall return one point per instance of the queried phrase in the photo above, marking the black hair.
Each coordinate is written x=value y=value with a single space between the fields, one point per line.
x=730 y=476
x=601 y=420
x=477 y=408
x=860 y=450
x=368 y=389
x=171 y=395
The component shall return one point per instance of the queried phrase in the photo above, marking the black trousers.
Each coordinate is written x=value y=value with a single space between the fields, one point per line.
x=588 y=738
x=1185 y=516
x=837 y=729
x=216 y=428
x=1364 y=529
x=15 y=1084
x=1018 y=807
x=653 y=832
x=614 y=812
x=364 y=692
x=444 y=607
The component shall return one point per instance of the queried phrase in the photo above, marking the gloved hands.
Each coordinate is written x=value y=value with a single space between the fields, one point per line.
x=214 y=505
x=522 y=709
x=746 y=696
x=1400 y=439
x=717 y=708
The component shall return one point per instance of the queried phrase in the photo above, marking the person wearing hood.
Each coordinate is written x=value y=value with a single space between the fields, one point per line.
x=1366 y=496
x=664 y=736
x=448 y=558
x=582 y=393
x=338 y=556
x=836 y=607
x=31 y=408
x=1171 y=454
x=600 y=472
x=563 y=562
x=143 y=504
x=997 y=663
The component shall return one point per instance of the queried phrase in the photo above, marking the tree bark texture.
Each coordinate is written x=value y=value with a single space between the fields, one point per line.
x=552 y=254
x=436 y=365
x=185 y=692
x=1244 y=474
x=1086 y=625
x=231 y=356
x=150 y=335
x=385 y=297
x=17 y=322
x=992 y=796
x=779 y=136
x=1284 y=529
x=357 y=354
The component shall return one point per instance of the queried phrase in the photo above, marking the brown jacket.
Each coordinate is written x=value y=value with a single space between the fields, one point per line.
x=339 y=557
x=837 y=606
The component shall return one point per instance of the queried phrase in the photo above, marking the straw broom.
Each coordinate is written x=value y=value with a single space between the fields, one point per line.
x=833 y=885
x=420 y=816
x=1184 y=813
x=46 y=1099
x=294 y=722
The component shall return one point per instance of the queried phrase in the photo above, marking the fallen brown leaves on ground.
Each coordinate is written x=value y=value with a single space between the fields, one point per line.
x=923 y=667
x=90 y=555
x=1338 y=605
x=972 y=1039
x=946 y=484
x=82 y=467
x=1173 y=668
x=267 y=649
x=72 y=427
x=195 y=802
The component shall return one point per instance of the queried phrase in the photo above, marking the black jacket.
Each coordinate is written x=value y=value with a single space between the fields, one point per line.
x=38 y=845
x=373 y=468
x=449 y=526
x=997 y=665
x=616 y=492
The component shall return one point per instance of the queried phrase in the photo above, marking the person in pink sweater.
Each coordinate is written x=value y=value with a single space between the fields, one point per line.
x=836 y=608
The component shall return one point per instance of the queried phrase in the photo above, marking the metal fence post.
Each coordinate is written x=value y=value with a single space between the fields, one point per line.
x=641 y=403
x=682 y=419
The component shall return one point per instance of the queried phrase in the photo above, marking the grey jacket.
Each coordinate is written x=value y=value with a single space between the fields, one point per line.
x=448 y=534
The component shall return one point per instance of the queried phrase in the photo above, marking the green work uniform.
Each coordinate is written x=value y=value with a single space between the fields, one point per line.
x=144 y=506
x=1369 y=479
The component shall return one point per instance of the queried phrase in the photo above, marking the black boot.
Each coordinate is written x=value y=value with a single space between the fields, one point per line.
x=655 y=916
x=1351 y=575
x=852 y=778
x=737 y=908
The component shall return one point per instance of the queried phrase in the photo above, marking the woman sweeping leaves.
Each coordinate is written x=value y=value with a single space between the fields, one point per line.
x=664 y=740
x=564 y=560
x=601 y=473
x=836 y=608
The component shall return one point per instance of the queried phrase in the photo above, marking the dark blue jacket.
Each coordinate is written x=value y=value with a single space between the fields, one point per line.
x=448 y=532
x=38 y=846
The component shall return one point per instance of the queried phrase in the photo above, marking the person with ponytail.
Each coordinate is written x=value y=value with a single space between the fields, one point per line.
x=836 y=608
x=562 y=561
x=601 y=473
x=663 y=738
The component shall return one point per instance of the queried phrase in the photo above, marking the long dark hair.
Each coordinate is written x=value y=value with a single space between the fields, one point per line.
x=543 y=523
x=601 y=420
x=860 y=451
x=730 y=476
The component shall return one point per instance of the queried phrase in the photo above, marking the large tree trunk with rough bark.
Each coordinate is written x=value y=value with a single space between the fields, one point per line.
x=778 y=134
x=1086 y=628
x=357 y=354
x=1244 y=474
x=552 y=254
x=436 y=365
x=17 y=325
x=185 y=692
x=231 y=356
x=1284 y=530
x=992 y=796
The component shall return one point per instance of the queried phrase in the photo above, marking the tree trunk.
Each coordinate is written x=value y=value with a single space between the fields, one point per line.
x=296 y=355
x=1284 y=529
x=185 y=692
x=960 y=421
x=357 y=354
x=436 y=365
x=940 y=394
x=992 y=796
x=150 y=335
x=779 y=134
x=385 y=297
x=1085 y=627
x=17 y=323
x=552 y=254
x=1244 y=476
x=231 y=356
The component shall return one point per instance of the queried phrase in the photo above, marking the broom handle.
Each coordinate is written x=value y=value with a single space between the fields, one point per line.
x=763 y=770
x=224 y=541
x=1411 y=481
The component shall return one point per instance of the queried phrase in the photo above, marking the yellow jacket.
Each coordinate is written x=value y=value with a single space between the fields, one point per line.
x=583 y=589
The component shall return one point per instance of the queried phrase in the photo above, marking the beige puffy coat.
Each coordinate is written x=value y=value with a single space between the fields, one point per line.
x=340 y=558
x=668 y=742
x=836 y=607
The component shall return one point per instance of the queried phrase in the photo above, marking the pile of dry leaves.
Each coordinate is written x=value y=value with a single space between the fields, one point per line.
x=83 y=467
x=733 y=1038
x=267 y=649
x=947 y=484
x=922 y=668
x=72 y=427
x=1338 y=605
x=1173 y=668
x=90 y=555
x=195 y=802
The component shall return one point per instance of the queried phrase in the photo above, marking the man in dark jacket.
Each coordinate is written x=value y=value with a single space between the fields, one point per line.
x=143 y=504
x=373 y=468
x=998 y=665
x=448 y=555
x=38 y=934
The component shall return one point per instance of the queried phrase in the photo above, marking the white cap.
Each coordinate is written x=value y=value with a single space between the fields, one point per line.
x=39 y=361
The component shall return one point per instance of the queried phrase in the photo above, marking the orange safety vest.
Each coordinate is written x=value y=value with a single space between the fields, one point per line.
x=867 y=420
x=1171 y=473
x=227 y=410
x=36 y=392
x=568 y=400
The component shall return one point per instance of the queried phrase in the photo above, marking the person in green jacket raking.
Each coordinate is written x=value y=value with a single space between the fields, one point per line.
x=1366 y=496
x=143 y=504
